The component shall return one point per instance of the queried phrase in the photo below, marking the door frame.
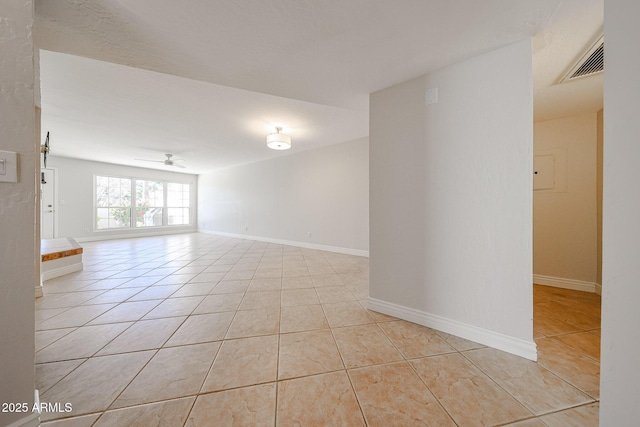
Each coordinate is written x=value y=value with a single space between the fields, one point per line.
x=56 y=202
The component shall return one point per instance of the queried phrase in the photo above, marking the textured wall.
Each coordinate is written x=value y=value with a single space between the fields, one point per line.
x=599 y=189
x=323 y=192
x=564 y=218
x=620 y=348
x=451 y=210
x=19 y=239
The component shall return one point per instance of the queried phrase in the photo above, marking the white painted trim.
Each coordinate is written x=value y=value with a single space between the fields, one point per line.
x=517 y=346
x=162 y=232
x=347 y=251
x=32 y=420
x=598 y=289
x=56 y=200
x=61 y=271
x=39 y=290
x=559 y=282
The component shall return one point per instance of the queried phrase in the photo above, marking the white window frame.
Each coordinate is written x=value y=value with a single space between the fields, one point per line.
x=132 y=222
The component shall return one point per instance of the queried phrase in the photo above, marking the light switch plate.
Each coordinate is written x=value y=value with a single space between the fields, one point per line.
x=8 y=165
x=431 y=96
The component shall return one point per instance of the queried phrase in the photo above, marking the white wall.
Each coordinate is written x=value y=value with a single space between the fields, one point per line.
x=565 y=217
x=19 y=238
x=599 y=189
x=323 y=192
x=620 y=350
x=75 y=180
x=451 y=203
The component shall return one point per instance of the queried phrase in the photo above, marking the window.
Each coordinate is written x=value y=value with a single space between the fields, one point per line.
x=178 y=203
x=139 y=203
x=113 y=202
x=149 y=203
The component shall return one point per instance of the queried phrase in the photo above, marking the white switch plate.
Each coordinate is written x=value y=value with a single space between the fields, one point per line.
x=431 y=96
x=10 y=163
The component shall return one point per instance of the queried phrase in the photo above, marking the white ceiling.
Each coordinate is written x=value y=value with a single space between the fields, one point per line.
x=207 y=80
x=573 y=29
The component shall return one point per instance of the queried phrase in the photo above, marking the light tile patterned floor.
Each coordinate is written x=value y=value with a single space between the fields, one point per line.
x=202 y=330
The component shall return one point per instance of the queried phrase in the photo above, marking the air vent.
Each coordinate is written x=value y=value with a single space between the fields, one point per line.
x=592 y=62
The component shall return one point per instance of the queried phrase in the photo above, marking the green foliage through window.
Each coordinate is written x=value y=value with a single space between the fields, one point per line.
x=113 y=202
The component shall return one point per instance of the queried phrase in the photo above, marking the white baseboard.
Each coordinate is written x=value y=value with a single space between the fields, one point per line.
x=160 y=232
x=517 y=346
x=306 y=245
x=39 y=290
x=32 y=420
x=598 y=289
x=61 y=271
x=559 y=282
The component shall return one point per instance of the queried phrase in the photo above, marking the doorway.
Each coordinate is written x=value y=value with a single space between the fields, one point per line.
x=567 y=248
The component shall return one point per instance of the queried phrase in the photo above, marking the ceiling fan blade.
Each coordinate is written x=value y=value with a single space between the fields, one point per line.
x=169 y=161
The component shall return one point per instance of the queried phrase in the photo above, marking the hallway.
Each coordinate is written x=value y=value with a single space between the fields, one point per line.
x=567 y=331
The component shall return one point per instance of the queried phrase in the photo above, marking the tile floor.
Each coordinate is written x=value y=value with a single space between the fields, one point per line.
x=202 y=330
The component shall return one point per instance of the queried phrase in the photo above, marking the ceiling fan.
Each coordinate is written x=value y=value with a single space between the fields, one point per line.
x=169 y=161
x=44 y=149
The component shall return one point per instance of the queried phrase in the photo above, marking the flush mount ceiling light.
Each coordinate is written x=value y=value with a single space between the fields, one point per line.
x=278 y=141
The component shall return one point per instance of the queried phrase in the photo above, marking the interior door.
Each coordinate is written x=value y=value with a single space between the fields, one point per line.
x=48 y=205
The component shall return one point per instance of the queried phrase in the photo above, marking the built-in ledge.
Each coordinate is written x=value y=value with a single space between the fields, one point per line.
x=59 y=257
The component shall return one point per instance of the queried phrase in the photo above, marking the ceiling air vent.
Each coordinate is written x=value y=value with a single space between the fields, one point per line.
x=592 y=62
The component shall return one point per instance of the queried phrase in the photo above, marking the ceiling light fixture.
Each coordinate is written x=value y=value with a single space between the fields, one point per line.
x=278 y=141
